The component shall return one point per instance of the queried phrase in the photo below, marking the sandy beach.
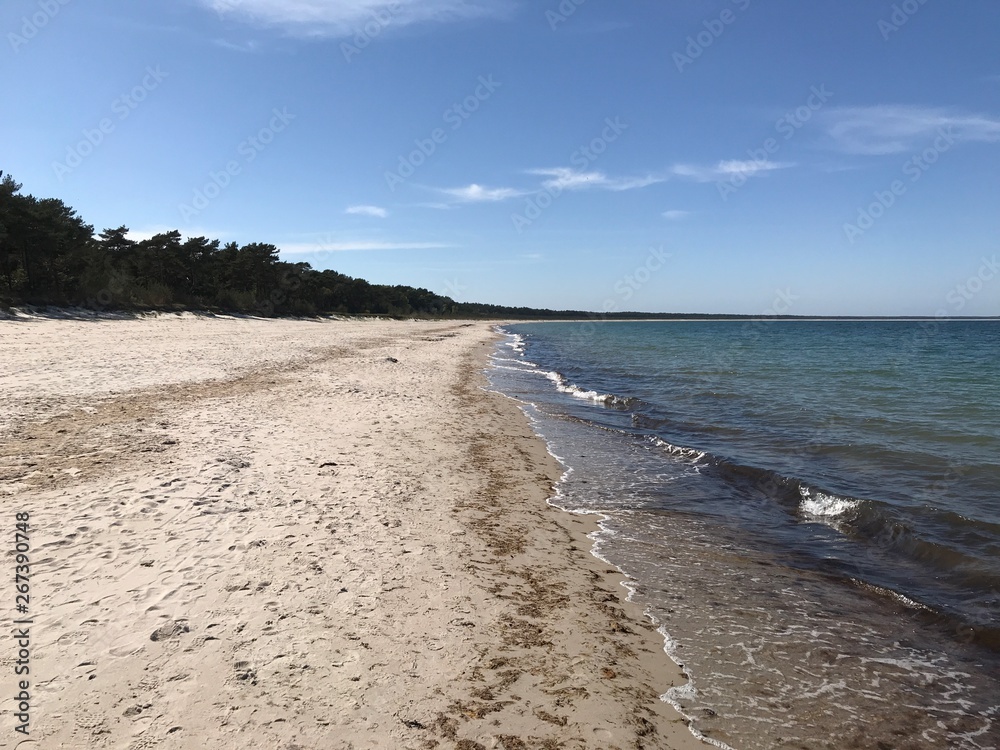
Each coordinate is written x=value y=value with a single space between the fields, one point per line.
x=303 y=535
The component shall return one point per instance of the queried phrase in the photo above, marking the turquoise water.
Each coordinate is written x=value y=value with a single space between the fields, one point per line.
x=811 y=510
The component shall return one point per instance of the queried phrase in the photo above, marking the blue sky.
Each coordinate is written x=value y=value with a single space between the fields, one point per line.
x=745 y=156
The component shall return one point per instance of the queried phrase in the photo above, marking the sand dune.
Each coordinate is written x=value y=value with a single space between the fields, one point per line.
x=265 y=534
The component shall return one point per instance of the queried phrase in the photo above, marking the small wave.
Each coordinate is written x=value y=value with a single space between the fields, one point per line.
x=890 y=594
x=822 y=505
x=509 y=368
x=501 y=362
x=517 y=344
x=607 y=399
x=690 y=454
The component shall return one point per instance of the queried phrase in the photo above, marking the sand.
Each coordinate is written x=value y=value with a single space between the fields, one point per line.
x=265 y=534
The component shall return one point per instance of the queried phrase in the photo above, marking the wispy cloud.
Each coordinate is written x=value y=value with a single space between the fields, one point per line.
x=726 y=170
x=559 y=179
x=310 y=248
x=250 y=46
x=335 y=18
x=893 y=129
x=676 y=215
x=562 y=178
x=376 y=211
x=565 y=178
x=478 y=194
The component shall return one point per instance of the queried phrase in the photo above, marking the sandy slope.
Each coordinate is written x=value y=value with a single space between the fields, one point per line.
x=264 y=534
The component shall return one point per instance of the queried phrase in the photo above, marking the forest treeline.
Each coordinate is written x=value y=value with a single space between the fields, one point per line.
x=49 y=256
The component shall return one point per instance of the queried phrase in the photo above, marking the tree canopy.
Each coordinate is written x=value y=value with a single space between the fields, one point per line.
x=50 y=256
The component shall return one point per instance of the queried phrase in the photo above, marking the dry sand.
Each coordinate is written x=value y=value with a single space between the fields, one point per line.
x=264 y=534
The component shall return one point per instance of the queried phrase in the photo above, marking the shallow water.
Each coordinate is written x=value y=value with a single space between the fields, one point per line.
x=808 y=509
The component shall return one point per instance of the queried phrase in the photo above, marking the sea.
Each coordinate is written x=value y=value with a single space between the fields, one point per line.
x=809 y=511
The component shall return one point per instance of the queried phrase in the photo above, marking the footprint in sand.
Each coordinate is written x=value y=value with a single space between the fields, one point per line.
x=245 y=672
x=170 y=630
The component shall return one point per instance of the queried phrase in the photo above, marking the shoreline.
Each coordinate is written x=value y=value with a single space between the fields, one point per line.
x=321 y=547
x=657 y=672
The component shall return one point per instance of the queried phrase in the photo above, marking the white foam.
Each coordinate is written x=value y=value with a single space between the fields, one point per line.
x=821 y=505
x=564 y=386
x=895 y=595
x=517 y=344
x=678 y=694
x=508 y=367
x=691 y=454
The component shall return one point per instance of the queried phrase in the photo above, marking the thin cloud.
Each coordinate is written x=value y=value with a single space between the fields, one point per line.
x=676 y=215
x=893 y=129
x=727 y=169
x=376 y=211
x=559 y=179
x=246 y=47
x=436 y=205
x=478 y=194
x=633 y=183
x=340 y=18
x=565 y=178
